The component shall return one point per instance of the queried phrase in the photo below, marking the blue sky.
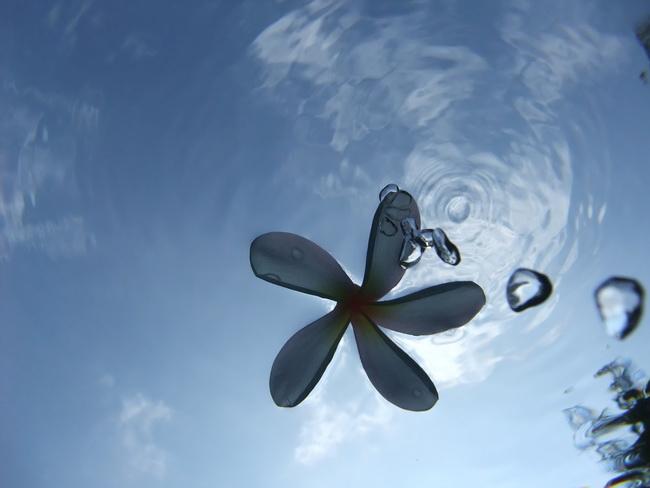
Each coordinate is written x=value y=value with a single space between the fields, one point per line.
x=143 y=145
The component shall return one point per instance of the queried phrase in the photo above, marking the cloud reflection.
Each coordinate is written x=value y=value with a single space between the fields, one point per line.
x=38 y=154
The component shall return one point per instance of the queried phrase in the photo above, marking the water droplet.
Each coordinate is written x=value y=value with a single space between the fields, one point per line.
x=458 y=209
x=527 y=288
x=271 y=277
x=408 y=227
x=387 y=227
x=387 y=190
x=297 y=254
x=425 y=237
x=411 y=253
x=446 y=250
x=620 y=303
x=417 y=392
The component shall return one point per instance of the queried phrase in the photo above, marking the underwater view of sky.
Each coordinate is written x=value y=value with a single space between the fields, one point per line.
x=145 y=144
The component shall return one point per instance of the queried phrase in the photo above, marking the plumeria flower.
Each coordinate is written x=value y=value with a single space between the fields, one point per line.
x=294 y=262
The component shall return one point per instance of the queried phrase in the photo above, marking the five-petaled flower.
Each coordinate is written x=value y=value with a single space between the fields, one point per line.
x=295 y=262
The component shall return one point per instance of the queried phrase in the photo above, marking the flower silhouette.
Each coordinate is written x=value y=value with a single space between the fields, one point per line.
x=294 y=262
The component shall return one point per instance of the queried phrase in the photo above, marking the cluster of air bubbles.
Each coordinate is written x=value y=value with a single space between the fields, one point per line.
x=446 y=250
x=619 y=300
x=620 y=304
x=412 y=250
x=527 y=288
x=619 y=438
x=417 y=241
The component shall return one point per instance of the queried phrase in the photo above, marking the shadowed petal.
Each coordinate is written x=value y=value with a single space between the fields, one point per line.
x=395 y=375
x=295 y=262
x=383 y=269
x=429 y=311
x=303 y=359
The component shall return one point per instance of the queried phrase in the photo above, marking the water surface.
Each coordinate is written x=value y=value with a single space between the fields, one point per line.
x=143 y=146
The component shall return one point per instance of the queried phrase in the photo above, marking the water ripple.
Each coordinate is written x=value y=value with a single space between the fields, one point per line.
x=488 y=132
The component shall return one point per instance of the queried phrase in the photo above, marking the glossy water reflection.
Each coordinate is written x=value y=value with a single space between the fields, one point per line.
x=143 y=146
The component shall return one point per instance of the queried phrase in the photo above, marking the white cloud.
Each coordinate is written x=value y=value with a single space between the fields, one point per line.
x=461 y=357
x=331 y=424
x=138 y=48
x=548 y=62
x=138 y=419
x=333 y=421
x=348 y=180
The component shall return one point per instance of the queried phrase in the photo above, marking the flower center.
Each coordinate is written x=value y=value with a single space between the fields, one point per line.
x=355 y=301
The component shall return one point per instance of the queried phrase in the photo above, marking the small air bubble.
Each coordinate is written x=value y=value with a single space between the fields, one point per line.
x=458 y=209
x=417 y=392
x=411 y=253
x=446 y=250
x=425 y=237
x=620 y=303
x=527 y=288
x=387 y=190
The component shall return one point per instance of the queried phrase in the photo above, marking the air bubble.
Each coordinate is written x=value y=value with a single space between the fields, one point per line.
x=387 y=190
x=458 y=209
x=527 y=288
x=411 y=253
x=620 y=304
x=446 y=250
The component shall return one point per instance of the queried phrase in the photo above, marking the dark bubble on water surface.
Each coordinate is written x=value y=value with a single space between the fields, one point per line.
x=387 y=190
x=620 y=304
x=446 y=250
x=425 y=239
x=411 y=253
x=527 y=288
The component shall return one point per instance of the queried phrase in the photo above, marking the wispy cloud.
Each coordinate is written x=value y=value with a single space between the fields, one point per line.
x=107 y=380
x=330 y=425
x=37 y=156
x=348 y=180
x=333 y=422
x=138 y=419
x=553 y=59
x=137 y=47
